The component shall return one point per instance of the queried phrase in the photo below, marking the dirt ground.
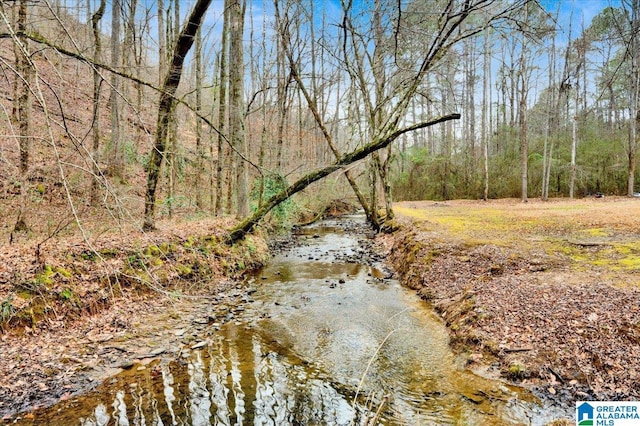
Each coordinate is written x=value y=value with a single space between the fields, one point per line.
x=546 y=294
x=80 y=311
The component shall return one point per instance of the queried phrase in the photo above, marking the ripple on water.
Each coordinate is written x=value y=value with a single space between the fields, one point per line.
x=320 y=335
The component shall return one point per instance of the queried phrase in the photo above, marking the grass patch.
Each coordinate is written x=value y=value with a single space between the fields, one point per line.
x=578 y=234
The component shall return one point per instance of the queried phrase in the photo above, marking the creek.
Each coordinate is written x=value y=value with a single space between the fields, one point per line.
x=327 y=338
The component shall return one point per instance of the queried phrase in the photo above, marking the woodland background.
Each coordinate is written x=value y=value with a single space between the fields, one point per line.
x=127 y=111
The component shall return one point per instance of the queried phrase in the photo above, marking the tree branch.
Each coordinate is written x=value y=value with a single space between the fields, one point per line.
x=247 y=225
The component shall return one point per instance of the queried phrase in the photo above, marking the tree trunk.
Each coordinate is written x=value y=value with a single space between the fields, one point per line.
x=574 y=144
x=97 y=80
x=117 y=161
x=470 y=80
x=551 y=103
x=222 y=109
x=522 y=115
x=379 y=116
x=282 y=92
x=22 y=109
x=236 y=104
x=173 y=157
x=169 y=87
x=634 y=113
x=576 y=116
x=486 y=105
x=162 y=44
x=199 y=165
x=247 y=225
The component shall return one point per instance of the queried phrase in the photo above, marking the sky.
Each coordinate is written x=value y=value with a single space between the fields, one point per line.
x=580 y=12
x=576 y=12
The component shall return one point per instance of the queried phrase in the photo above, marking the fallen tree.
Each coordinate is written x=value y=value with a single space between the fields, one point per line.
x=248 y=224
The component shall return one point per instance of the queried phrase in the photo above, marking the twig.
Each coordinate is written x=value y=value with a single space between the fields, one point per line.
x=375 y=417
x=558 y=376
x=514 y=350
x=373 y=357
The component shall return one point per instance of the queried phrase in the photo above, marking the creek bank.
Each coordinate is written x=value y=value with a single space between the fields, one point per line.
x=74 y=315
x=514 y=314
x=298 y=352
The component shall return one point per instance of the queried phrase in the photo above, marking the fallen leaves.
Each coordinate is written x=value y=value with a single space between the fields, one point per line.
x=547 y=312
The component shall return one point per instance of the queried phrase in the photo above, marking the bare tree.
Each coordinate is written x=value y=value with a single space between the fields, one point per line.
x=287 y=45
x=172 y=80
x=117 y=160
x=236 y=103
x=407 y=79
x=22 y=107
x=97 y=81
x=634 y=110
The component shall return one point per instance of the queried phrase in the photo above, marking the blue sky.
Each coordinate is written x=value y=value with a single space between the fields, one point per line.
x=580 y=12
x=576 y=12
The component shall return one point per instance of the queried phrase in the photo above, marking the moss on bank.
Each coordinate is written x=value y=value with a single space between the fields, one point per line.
x=524 y=298
x=86 y=281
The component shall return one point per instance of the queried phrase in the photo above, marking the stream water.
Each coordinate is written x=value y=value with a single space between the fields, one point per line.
x=328 y=339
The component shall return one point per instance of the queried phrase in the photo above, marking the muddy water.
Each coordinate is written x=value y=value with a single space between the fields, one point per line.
x=328 y=339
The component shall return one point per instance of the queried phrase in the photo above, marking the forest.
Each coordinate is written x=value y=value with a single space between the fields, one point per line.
x=148 y=110
x=164 y=165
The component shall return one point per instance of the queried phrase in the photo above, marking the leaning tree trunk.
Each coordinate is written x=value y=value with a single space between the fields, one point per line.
x=250 y=222
x=169 y=87
x=286 y=42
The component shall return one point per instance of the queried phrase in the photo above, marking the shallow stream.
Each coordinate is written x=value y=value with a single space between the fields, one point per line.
x=328 y=338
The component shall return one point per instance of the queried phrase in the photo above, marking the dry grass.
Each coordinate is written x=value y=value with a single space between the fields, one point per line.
x=586 y=235
x=553 y=287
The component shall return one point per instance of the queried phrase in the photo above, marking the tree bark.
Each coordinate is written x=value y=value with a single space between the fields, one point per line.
x=169 y=87
x=236 y=104
x=117 y=161
x=97 y=80
x=248 y=224
x=222 y=108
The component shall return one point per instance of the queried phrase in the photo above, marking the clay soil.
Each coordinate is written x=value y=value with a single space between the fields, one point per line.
x=546 y=294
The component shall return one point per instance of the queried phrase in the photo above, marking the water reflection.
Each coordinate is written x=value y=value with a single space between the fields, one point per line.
x=326 y=342
x=198 y=389
x=218 y=383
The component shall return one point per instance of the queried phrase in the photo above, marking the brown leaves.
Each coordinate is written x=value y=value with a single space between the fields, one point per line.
x=587 y=331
